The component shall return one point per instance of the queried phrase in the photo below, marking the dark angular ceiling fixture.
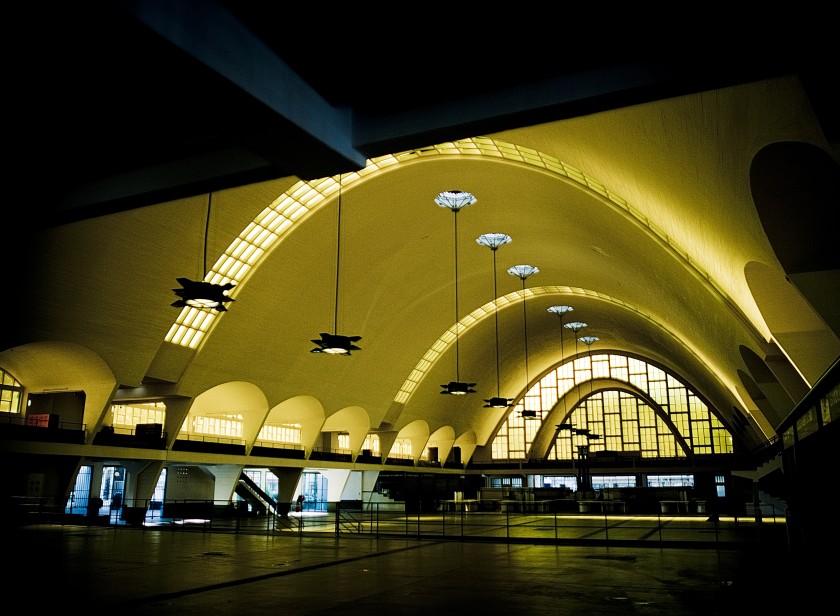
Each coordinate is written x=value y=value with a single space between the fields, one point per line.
x=336 y=344
x=203 y=295
x=522 y=272
x=493 y=241
x=586 y=432
x=455 y=201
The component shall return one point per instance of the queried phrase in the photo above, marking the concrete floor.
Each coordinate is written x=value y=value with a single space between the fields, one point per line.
x=156 y=571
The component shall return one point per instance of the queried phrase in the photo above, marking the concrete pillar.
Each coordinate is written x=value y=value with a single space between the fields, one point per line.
x=227 y=476
x=288 y=479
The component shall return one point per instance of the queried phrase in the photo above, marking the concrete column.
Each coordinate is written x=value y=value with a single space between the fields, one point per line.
x=288 y=479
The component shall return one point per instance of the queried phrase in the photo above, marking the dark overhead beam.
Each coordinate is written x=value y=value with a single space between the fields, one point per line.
x=218 y=40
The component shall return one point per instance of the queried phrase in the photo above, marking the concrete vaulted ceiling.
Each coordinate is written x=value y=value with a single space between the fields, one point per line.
x=633 y=192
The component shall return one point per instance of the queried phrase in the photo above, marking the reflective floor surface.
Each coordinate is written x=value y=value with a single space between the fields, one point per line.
x=152 y=571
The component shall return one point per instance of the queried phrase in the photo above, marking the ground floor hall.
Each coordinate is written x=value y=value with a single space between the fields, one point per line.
x=160 y=571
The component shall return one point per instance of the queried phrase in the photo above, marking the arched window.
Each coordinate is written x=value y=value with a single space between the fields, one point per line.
x=653 y=415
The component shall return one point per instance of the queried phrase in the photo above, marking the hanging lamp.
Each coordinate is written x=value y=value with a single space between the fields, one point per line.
x=203 y=295
x=523 y=272
x=575 y=326
x=561 y=311
x=455 y=201
x=493 y=241
x=336 y=344
x=588 y=341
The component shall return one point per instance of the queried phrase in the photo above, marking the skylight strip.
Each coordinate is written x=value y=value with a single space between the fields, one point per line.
x=449 y=337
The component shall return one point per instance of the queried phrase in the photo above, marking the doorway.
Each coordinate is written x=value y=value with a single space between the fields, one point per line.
x=313 y=486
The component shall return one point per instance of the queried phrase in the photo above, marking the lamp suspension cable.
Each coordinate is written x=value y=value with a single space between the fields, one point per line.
x=494 y=241
x=202 y=294
x=496 y=315
x=561 y=311
x=575 y=326
x=588 y=340
x=525 y=327
x=206 y=232
x=337 y=255
x=523 y=271
x=334 y=343
x=457 y=320
x=455 y=200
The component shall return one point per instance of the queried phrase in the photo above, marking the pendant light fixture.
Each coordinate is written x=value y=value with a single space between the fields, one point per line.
x=203 y=295
x=584 y=477
x=561 y=311
x=455 y=201
x=335 y=344
x=575 y=326
x=588 y=341
x=493 y=241
x=522 y=272
x=583 y=450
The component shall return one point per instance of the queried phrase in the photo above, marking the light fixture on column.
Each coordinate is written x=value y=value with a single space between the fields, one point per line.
x=455 y=201
x=493 y=241
x=522 y=272
x=336 y=344
x=203 y=295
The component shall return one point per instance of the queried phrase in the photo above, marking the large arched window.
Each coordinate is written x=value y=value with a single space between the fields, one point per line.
x=635 y=407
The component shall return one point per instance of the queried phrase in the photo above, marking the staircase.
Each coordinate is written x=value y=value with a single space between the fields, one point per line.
x=250 y=492
x=774 y=464
x=769 y=484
